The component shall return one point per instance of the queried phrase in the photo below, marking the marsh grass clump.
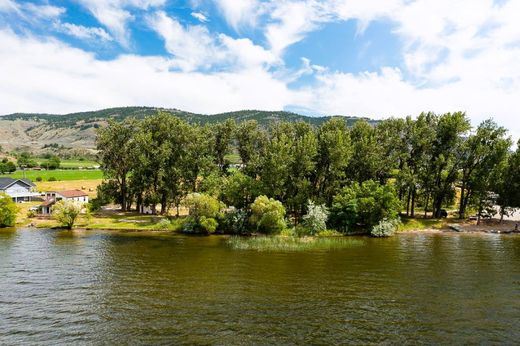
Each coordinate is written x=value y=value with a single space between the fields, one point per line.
x=291 y=244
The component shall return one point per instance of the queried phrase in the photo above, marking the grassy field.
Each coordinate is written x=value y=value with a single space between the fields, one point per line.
x=78 y=163
x=88 y=186
x=61 y=175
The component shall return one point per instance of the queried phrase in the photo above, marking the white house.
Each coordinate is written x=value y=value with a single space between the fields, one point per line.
x=21 y=190
x=52 y=197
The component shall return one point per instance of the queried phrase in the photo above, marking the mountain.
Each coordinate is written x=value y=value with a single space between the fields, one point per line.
x=35 y=132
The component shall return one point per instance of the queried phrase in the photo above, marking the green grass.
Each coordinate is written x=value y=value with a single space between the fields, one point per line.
x=77 y=163
x=291 y=244
x=233 y=158
x=58 y=174
x=409 y=224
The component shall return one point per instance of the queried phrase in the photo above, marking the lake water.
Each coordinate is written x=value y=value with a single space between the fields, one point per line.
x=106 y=288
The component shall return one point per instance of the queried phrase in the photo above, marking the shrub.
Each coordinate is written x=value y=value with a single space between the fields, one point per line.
x=316 y=218
x=204 y=210
x=267 y=215
x=66 y=213
x=329 y=233
x=288 y=232
x=163 y=225
x=53 y=179
x=208 y=224
x=235 y=221
x=364 y=206
x=8 y=211
x=39 y=178
x=385 y=228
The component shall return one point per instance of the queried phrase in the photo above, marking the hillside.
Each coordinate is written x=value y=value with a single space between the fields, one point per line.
x=33 y=132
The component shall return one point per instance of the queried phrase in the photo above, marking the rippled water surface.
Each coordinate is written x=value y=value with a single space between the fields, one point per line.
x=106 y=288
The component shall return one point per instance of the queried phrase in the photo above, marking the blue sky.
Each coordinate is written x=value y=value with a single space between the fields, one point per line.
x=376 y=58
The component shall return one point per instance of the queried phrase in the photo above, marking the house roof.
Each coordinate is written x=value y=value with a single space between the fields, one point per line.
x=5 y=182
x=48 y=202
x=72 y=193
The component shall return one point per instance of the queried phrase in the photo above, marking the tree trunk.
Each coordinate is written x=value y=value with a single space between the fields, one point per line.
x=462 y=204
x=123 y=193
x=408 y=203
x=426 y=205
x=412 y=211
x=163 y=203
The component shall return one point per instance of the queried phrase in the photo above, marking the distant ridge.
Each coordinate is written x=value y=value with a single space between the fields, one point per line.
x=77 y=130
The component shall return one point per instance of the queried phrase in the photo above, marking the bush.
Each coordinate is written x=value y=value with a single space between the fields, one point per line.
x=364 y=206
x=235 y=222
x=329 y=233
x=8 y=211
x=163 y=225
x=53 y=179
x=267 y=215
x=208 y=224
x=66 y=213
x=204 y=210
x=39 y=178
x=385 y=228
x=316 y=218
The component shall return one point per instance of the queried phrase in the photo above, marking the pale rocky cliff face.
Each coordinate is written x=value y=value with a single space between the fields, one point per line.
x=34 y=135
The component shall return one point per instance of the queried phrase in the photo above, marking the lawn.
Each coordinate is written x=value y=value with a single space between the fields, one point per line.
x=416 y=224
x=58 y=174
x=78 y=163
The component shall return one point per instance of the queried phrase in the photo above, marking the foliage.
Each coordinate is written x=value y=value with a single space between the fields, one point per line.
x=66 y=212
x=204 y=210
x=267 y=215
x=235 y=221
x=8 y=211
x=7 y=167
x=316 y=218
x=364 y=205
x=385 y=228
x=329 y=233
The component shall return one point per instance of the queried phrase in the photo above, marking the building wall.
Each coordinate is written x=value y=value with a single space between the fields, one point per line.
x=17 y=188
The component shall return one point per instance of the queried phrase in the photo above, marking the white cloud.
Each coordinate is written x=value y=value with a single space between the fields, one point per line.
x=200 y=16
x=195 y=48
x=240 y=12
x=83 y=32
x=114 y=14
x=50 y=76
x=30 y=11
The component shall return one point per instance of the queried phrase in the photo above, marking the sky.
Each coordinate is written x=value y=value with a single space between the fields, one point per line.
x=373 y=58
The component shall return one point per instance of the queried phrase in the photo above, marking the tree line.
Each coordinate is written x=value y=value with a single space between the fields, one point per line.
x=425 y=164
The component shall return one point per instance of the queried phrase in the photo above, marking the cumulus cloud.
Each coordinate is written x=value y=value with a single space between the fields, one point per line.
x=50 y=76
x=194 y=47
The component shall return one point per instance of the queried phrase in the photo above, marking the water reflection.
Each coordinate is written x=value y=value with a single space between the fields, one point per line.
x=100 y=287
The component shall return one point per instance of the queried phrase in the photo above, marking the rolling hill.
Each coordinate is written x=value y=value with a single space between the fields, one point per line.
x=33 y=132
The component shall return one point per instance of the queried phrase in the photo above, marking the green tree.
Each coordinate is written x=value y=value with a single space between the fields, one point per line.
x=223 y=134
x=484 y=152
x=240 y=190
x=334 y=152
x=267 y=215
x=446 y=157
x=506 y=183
x=8 y=211
x=115 y=144
x=66 y=212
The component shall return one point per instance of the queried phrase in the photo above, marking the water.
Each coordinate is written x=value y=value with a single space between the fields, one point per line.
x=105 y=288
